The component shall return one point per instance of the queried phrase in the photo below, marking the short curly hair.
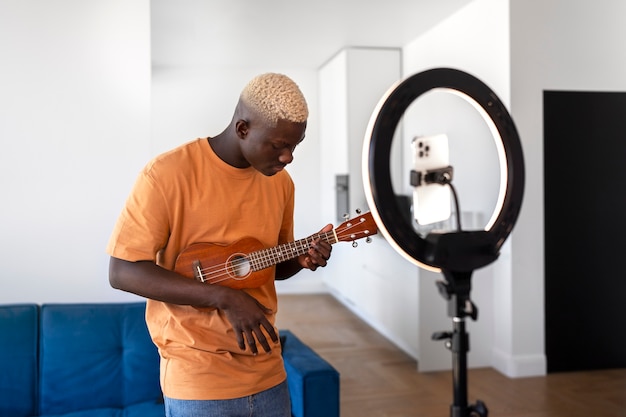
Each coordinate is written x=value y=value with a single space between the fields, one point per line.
x=276 y=97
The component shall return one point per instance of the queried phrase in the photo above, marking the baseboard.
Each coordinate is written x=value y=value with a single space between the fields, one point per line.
x=519 y=366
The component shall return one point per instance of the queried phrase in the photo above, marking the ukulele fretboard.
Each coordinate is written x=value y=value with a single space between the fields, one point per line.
x=267 y=257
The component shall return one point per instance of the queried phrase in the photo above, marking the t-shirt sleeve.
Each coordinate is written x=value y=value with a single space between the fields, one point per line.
x=142 y=228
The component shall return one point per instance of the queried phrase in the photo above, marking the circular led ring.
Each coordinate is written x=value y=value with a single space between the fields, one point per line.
x=376 y=160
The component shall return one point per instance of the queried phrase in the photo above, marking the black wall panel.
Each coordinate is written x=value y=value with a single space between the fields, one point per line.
x=585 y=230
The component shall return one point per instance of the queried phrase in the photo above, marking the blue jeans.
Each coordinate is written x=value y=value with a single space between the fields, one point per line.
x=273 y=402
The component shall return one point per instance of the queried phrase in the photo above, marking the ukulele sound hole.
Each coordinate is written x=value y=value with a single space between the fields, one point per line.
x=239 y=266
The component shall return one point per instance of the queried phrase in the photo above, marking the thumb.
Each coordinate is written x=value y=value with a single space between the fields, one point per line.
x=265 y=309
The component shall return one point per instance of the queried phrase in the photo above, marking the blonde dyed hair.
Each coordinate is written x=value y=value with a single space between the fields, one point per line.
x=276 y=97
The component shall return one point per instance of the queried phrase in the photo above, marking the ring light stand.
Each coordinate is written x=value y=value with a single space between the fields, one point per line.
x=455 y=254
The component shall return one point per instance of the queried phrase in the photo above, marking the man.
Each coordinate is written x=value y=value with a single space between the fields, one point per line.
x=218 y=190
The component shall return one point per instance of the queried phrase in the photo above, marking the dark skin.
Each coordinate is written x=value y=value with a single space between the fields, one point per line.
x=248 y=141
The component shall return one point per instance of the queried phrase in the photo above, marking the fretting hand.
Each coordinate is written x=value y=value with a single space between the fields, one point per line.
x=318 y=253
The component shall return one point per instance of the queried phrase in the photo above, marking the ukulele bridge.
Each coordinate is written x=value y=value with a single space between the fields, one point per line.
x=197 y=271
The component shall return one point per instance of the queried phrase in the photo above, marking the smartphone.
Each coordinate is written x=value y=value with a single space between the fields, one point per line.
x=431 y=202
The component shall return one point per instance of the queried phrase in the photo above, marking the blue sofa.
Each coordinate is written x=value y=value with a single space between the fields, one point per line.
x=97 y=360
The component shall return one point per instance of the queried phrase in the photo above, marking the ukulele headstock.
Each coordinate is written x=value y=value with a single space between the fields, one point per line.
x=359 y=227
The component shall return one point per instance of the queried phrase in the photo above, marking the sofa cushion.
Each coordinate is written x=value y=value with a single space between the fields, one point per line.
x=146 y=409
x=94 y=357
x=100 y=412
x=18 y=360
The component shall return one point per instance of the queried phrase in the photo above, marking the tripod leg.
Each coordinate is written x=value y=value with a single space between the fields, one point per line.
x=456 y=290
x=479 y=409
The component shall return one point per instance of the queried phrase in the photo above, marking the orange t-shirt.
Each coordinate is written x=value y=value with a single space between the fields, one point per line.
x=190 y=195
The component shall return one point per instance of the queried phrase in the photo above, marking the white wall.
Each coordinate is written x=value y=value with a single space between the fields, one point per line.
x=571 y=46
x=372 y=280
x=74 y=125
x=521 y=48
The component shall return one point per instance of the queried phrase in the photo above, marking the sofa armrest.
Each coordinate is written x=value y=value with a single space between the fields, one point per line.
x=313 y=382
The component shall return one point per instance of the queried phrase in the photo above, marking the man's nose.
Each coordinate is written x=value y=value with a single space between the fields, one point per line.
x=286 y=156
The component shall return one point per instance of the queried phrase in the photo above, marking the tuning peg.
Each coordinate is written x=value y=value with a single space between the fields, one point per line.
x=354 y=244
x=358 y=211
x=346 y=216
x=368 y=240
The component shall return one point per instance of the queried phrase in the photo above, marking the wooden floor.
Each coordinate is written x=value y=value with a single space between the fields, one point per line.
x=379 y=380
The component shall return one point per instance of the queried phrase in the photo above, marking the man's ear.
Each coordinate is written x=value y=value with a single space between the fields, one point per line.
x=241 y=127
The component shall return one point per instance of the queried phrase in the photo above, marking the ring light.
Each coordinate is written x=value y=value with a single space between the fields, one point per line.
x=462 y=251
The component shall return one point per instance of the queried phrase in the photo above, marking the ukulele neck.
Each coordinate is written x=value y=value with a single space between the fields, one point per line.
x=265 y=258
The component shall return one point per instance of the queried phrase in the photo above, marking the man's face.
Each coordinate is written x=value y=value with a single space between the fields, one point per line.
x=270 y=149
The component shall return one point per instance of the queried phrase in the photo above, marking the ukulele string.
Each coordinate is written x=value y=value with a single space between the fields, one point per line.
x=264 y=256
x=219 y=273
x=222 y=272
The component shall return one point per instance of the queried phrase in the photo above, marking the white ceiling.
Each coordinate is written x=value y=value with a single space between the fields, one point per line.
x=283 y=33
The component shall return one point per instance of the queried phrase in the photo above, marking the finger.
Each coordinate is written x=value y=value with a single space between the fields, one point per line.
x=324 y=250
x=318 y=260
x=240 y=339
x=262 y=340
x=265 y=309
x=318 y=257
x=270 y=331
x=323 y=247
x=310 y=263
x=252 y=343
x=326 y=247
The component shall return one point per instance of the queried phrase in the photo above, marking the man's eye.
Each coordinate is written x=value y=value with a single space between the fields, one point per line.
x=281 y=146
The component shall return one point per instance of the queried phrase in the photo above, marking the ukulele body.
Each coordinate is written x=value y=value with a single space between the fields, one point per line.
x=227 y=265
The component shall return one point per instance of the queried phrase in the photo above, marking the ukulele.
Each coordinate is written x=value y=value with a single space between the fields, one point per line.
x=245 y=263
